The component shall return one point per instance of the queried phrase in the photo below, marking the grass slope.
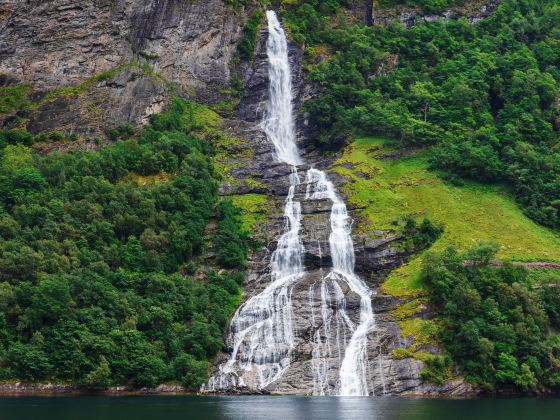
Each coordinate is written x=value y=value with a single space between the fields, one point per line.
x=388 y=187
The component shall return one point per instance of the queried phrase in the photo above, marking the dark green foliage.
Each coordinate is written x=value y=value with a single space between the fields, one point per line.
x=496 y=322
x=27 y=362
x=436 y=370
x=16 y=137
x=230 y=241
x=24 y=137
x=122 y=132
x=422 y=236
x=484 y=94
x=246 y=47
x=91 y=261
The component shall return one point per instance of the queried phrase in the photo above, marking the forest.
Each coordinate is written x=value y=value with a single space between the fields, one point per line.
x=483 y=95
x=496 y=321
x=105 y=277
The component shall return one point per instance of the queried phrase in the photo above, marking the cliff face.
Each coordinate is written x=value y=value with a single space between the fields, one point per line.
x=371 y=11
x=59 y=43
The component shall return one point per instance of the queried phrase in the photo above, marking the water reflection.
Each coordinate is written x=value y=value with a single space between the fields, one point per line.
x=274 y=408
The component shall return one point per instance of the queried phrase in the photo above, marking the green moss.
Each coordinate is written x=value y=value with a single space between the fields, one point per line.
x=254 y=209
x=231 y=153
x=424 y=331
x=201 y=119
x=254 y=183
x=13 y=97
x=413 y=307
x=402 y=353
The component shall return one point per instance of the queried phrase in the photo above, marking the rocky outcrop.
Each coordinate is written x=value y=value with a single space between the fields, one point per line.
x=130 y=97
x=47 y=389
x=61 y=42
x=472 y=10
x=58 y=43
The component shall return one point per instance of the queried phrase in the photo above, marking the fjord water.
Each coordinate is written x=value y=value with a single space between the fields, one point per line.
x=277 y=408
x=261 y=329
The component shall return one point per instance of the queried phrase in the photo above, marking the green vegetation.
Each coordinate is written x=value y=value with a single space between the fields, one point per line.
x=99 y=281
x=389 y=185
x=496 y=322
x=253 y=209
x=485 y=95
x=231 y=240
x=24 y=137
x=430 y=6
x=13 y=97
x=149 y=56
x=246 y=46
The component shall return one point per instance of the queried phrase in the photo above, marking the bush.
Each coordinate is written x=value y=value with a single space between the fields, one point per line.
x=192 y=372
x=28 y=363
x=246 y=46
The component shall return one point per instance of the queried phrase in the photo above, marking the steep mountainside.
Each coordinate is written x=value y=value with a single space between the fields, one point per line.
x=165 y=99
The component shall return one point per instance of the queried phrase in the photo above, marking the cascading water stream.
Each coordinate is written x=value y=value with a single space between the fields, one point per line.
x=279 y=120
x=261 y=329
x=353 y=369
x=262 y=326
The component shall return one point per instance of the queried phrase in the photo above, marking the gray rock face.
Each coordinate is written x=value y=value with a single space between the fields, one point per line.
x=130 y=97
x=56 y=43
x=59 y=42
x=472 y=10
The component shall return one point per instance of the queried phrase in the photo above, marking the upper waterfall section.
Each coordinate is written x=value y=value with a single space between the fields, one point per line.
x=279 y=120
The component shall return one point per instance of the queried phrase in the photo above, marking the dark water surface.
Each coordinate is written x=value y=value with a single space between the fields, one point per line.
x=273 y=408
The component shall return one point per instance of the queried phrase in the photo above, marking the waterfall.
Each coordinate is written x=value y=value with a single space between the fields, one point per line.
x=261 y=329
x=353 y=369
x=262 y=326
x=279 y=120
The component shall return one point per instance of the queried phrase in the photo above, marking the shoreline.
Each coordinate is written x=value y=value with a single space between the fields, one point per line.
x=21 y=389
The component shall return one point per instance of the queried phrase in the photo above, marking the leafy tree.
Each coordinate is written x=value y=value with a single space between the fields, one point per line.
x=482 y=95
